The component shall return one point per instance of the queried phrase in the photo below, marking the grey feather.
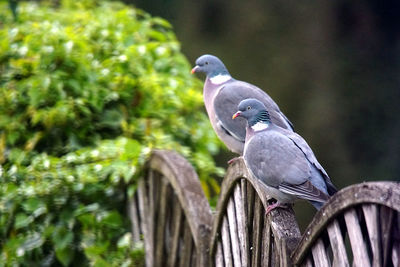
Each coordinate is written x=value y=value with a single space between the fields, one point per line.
x=305 y=190
x=304 y=147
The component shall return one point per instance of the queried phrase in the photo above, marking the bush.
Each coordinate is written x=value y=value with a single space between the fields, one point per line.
x=87 y=90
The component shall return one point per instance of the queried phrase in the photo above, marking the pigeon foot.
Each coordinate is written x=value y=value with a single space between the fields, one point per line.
x=234 y=159
x=275 y=205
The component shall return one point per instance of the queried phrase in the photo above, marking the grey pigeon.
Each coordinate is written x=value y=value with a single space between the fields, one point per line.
x=282 y=159
x=222 y=94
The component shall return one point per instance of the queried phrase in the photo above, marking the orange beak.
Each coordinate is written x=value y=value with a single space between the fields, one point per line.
x=237 y=114
x=194 y=69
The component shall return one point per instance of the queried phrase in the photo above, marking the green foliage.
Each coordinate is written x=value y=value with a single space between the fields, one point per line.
x=87 y=89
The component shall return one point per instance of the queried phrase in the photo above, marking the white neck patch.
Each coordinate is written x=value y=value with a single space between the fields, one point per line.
x=220 y=78
x=259 y=126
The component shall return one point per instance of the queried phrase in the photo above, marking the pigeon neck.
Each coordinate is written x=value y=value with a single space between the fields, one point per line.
x=261 y=121
x=220 y=76
x=219 y=79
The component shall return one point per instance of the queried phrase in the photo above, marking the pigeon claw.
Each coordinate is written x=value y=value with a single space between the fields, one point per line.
x=275 y=205
x=233 y=160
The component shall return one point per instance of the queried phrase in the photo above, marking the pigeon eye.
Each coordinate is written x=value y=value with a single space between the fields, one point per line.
x=248 y=107
x=206 y=63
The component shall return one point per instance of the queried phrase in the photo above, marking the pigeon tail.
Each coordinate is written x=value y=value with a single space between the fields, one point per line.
x=331 y=188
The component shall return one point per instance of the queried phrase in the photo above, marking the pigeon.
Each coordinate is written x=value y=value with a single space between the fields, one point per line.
x=222 y=94
x=281 y=159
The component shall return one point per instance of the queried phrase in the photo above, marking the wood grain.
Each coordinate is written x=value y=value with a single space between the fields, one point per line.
x=319 y=254
x=372 y=221
x=241 y=218
x=337 y=245
x=358 y=246
x=226 y=243
x=233 y=232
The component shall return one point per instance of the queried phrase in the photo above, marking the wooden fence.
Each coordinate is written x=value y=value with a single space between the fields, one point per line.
x=359 y=226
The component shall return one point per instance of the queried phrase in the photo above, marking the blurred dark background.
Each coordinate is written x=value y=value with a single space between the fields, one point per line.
x=332 y=66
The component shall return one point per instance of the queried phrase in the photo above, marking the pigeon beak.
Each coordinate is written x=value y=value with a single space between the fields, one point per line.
x=237 y=114
x=194 y=69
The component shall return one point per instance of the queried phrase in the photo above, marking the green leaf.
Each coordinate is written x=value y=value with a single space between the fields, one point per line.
x=112 y=219
x=22 y=220
x=132 y=149
x=87 y=220
x=162 y=22
x=65 y=255
x=34 y=206
x=62 y=237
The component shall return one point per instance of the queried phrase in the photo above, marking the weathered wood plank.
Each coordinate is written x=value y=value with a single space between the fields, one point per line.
x=276 y=248
x=153 y=193
x=219 y=256
x=396 y=254
x=226 y=243
x=241 y=218
x=319 y=254
x=386 y=228
x=143 y=208
x=233 y=230
x=266 y=245
x=275 y=259
x=284 y=253
x=257 y=232
x=337 y=245
x=187 y=246
x=372 y=221
x=396 y=241
x=356 y=239
x=176 y=222
x=161 y=223
x=246 y=219
x=133 y=213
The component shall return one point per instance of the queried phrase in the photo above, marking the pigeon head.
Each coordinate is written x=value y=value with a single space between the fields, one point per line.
x=210 y=65
x=253 y=111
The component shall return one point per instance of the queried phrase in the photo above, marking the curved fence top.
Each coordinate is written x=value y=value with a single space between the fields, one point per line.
x=187 y=188
x=170 y=212
x=339 y=213
x=359 y=225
